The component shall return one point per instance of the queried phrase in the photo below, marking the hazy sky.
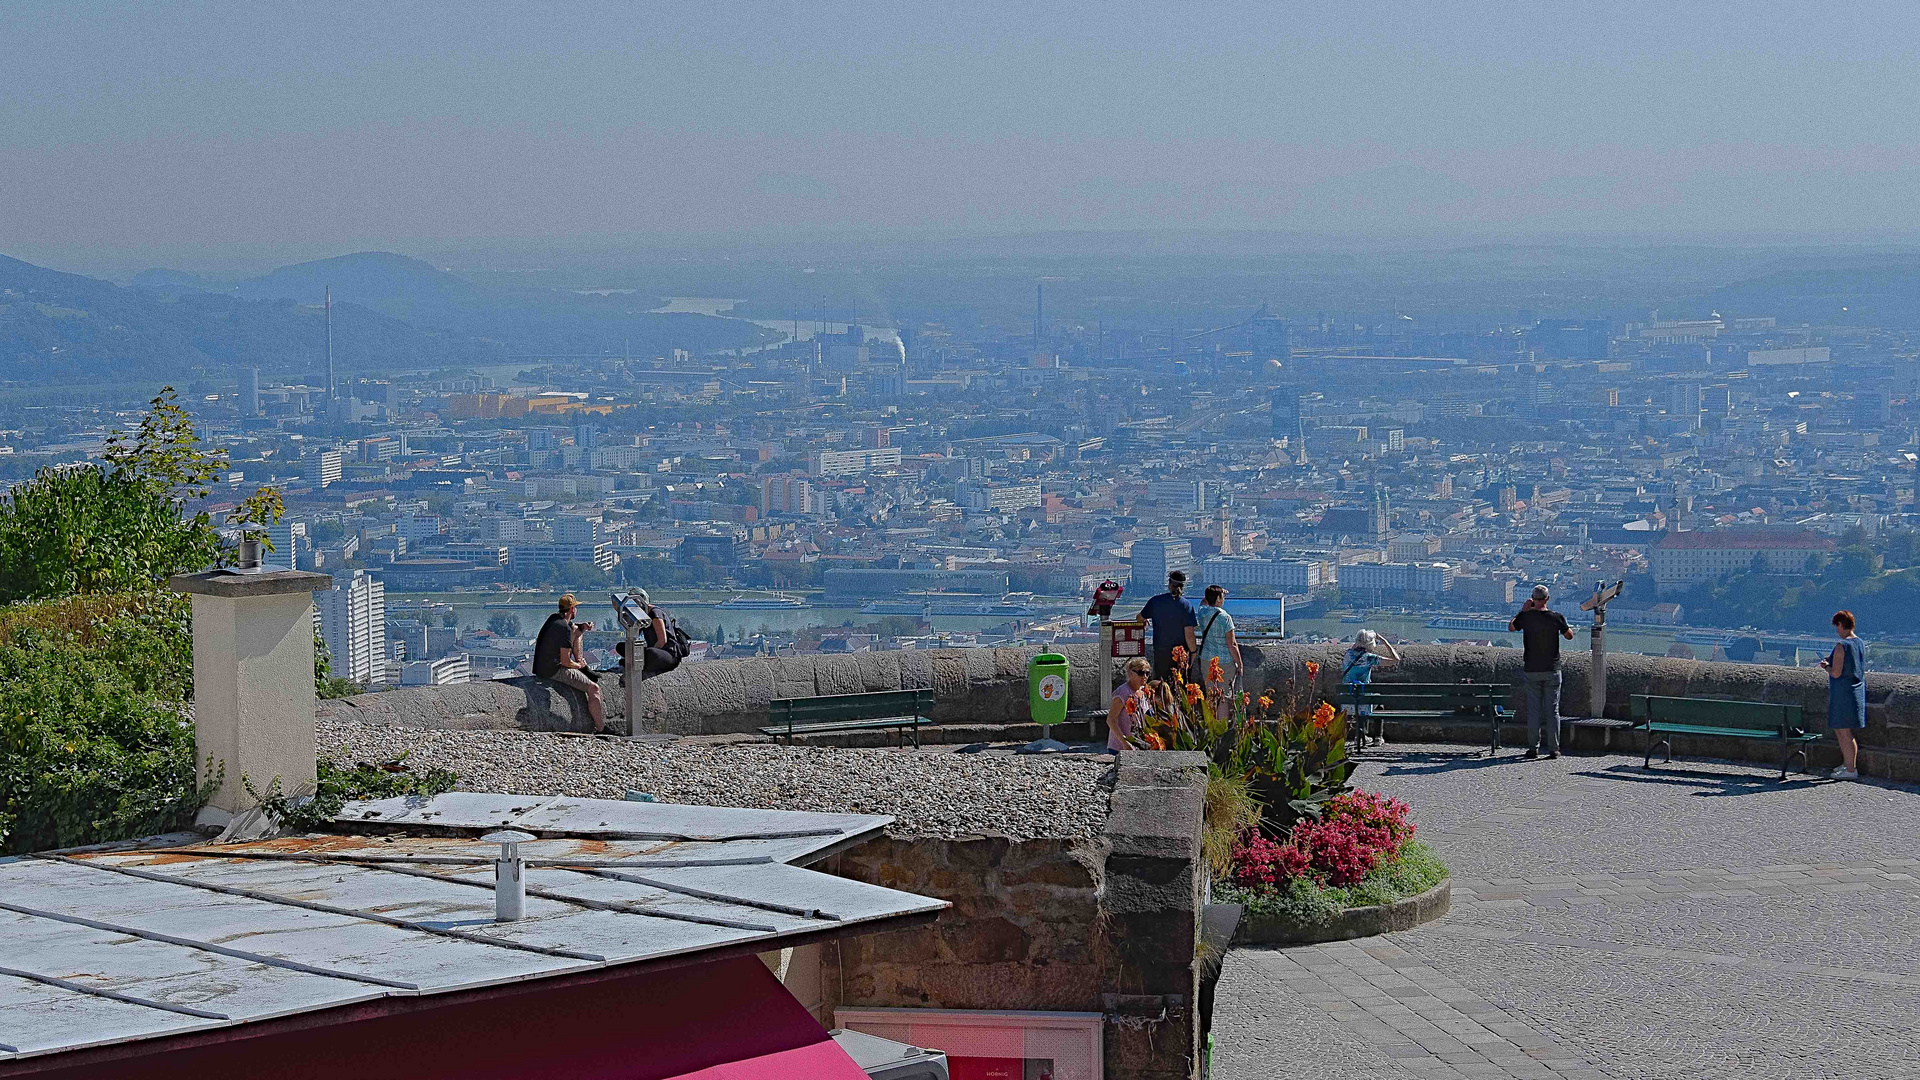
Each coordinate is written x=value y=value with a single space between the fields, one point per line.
x=153 y=124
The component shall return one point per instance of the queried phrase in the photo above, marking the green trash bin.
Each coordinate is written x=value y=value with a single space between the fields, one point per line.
x=1047 y=689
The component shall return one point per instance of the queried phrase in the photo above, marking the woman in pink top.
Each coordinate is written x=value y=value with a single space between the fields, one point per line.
x=1129 y=702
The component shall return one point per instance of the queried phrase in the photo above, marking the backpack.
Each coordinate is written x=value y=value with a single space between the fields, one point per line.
x=678 y=643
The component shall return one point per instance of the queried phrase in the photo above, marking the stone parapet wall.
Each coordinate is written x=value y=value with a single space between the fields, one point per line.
x=1109 y=925
x=970 y=686
x=979 y=688
x=1893 y=701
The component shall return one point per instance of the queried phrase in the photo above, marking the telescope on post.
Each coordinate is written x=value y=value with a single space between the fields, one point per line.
x=1603 y=594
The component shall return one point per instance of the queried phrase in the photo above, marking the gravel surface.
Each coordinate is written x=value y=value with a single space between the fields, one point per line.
x=930 y=793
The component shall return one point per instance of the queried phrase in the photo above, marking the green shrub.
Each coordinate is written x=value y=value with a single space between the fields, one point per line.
x=95 y=741
x=337 y=785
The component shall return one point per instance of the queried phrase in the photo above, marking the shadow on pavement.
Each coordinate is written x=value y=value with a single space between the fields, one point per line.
x=1424 y=762
x=1711 y=784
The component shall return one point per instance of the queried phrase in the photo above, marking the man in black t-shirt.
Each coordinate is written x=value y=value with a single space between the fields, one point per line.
x=557 y=656
x=1540 y=631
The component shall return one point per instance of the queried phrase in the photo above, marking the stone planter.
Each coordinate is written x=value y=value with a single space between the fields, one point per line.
x=1351 y=923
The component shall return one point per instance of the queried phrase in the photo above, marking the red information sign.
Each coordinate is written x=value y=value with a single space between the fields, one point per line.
x=1129 y=638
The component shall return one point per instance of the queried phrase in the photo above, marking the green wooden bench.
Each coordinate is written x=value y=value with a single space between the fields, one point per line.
x=1471 y=702
x=1666 y=716
x=900 y=710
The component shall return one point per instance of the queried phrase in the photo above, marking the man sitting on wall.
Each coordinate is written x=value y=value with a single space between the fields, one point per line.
x=557 y=657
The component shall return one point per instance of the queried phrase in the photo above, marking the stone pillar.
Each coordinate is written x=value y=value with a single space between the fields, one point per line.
x=1151 y=901
x=253 y=698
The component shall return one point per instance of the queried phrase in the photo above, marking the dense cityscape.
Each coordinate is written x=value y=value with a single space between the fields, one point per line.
x=843 y=486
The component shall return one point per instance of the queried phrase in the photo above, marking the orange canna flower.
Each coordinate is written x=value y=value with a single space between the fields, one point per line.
x=1245 y=698
x=1266 y=701
x=1193 y=693
x=1215 y=673
x=1323 y=716
x=1154 y=742
x=1179 y=655
x=1133 y=705
x=1313 y=670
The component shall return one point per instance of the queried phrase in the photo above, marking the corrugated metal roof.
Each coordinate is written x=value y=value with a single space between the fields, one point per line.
x=113 y=945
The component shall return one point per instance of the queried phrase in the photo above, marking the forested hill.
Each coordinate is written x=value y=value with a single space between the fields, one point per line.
x=389 y=312
x=65 y=326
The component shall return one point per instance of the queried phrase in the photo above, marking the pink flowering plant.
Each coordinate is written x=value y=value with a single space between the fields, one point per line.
x=1360 y=850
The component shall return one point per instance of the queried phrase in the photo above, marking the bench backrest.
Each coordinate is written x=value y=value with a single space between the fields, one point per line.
x=1713 y=712
x=1481 y=696
x=875 y=706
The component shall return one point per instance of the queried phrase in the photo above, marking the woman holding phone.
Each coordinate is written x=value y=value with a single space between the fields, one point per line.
x=1846 y=694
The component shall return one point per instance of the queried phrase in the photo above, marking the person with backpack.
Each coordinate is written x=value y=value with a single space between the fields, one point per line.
x=1217 y=643
x=662 y=643
x=1368 y=651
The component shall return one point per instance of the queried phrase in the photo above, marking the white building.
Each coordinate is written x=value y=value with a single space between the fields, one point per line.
x=1684 y=559
x=353 y=622
x=1427 y=579
x=852 y=462
x=996 y=498
x=322 y=467
x=1293 y=577
x=579 y=529
x=445 y=671
x=525 y=557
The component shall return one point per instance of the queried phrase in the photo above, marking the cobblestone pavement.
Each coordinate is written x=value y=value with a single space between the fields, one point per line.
x=1702 y=920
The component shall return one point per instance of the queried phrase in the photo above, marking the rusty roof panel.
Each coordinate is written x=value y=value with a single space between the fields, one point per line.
x=128 y=944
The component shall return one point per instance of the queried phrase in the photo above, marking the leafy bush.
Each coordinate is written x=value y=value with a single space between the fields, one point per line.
x=337 y=785
x=95 y=740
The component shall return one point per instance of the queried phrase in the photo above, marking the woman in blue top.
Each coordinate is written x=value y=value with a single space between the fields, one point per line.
x=1356 y=671
x=1846 y=694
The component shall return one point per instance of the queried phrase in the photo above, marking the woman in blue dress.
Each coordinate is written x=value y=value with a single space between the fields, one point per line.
x=1846 y=694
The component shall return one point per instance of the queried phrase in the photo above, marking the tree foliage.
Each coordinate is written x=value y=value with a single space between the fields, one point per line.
x=120 y=524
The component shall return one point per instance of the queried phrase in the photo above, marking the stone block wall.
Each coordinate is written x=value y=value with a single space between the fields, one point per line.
x=1892 y=736
x=1109 y=925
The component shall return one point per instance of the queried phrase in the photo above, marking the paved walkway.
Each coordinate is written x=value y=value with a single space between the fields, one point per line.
x=1700 y=921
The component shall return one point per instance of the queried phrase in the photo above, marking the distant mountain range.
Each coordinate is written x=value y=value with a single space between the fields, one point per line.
x=1883 y=291
x=390 y=313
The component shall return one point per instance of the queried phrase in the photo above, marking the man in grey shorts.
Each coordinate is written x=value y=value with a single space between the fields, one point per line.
x=1541 y=631
x=557 y=656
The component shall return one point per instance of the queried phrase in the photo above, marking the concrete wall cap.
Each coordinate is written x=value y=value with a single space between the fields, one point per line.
x=225 y=583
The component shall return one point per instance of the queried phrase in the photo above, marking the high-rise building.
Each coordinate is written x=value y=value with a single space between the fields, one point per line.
x=353 y=623
x=250 y=392
x=1206 y=495
x=289 y=540
x=1288 y=423
x=786 y=494
x=1153 y=558
x=1686 y=403
x=322 y=467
